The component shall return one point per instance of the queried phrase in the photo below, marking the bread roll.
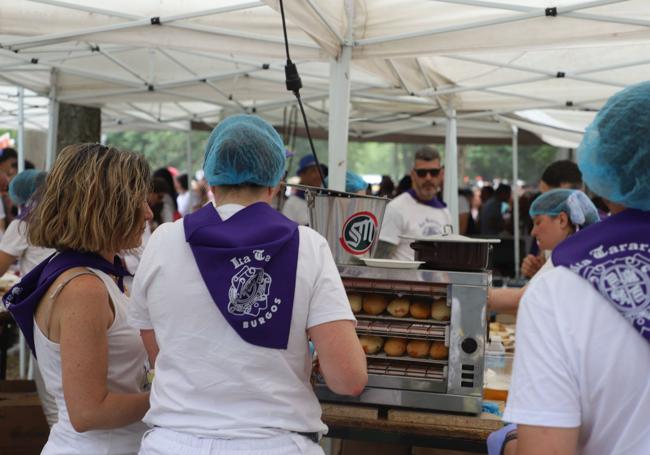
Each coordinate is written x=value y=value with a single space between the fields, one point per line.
x=355 y=302
x=440 y=311
x=399 y=308
x=439 y=351
x=420 y=310
x=395 y=347
x=418 y=348
x=370 y=344
x=374 y=304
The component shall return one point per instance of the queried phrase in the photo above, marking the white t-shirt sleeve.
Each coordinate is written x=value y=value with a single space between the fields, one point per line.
x=138 y=309
x=14 y=240
x=544 y=389
x=391 y=227
x=329 y=302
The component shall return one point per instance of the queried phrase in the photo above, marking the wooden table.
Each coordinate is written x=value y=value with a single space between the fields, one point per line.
x=414 y=428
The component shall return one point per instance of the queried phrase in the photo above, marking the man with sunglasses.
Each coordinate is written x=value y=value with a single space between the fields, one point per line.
x=416 y=212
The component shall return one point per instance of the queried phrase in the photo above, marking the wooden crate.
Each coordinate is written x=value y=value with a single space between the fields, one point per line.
x=23 y=429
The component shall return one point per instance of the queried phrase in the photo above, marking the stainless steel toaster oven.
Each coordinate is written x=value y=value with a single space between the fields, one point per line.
x=424 y=333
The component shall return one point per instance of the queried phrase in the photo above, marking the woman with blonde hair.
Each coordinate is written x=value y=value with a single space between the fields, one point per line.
x=71 y=307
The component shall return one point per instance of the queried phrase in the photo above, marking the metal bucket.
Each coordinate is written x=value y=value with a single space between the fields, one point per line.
x=350 y=222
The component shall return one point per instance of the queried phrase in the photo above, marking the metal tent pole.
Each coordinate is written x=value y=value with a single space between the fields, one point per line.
x=339 y=109
x=450 y=190
x=189 y=157
x=515 y=196
x=52 y=130
x=21 y=129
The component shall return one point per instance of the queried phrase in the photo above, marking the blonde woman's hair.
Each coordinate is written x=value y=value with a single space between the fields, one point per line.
x=91 y=200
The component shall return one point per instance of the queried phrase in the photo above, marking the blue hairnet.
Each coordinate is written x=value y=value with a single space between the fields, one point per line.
x=353 y=182
x=244 y=149
x=579 y=208
x=614 y=155
x=24 y=184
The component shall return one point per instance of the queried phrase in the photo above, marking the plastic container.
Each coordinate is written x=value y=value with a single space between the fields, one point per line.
x=498 y=370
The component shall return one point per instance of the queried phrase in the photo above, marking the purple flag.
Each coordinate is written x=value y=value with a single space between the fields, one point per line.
x=248 y=263
x=435 y=202
x=23 y=298
x=614 y=256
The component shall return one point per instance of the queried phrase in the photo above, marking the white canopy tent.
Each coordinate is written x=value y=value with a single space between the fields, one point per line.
x=466 y=67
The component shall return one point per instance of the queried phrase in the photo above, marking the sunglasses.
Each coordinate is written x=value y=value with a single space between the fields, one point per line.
x=423 y=172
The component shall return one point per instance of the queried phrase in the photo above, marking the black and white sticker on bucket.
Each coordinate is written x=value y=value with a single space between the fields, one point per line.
x=359 y=232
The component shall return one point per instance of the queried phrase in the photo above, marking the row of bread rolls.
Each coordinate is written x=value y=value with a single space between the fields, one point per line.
x=396 y=347
x=374 y=304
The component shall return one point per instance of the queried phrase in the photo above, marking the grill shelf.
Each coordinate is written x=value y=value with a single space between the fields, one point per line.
x=403 y=330
x=430 y=290
x=405 y=358
x=434 y=372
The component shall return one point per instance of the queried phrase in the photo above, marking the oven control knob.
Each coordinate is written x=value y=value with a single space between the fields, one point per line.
x=469 y=345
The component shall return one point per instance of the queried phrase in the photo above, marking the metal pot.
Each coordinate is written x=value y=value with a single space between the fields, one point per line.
x=453 y=252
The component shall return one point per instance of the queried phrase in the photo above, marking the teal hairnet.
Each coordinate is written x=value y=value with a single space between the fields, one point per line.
x=244 y=149
x=24 y=184
x=579 y=208
x=614 y=155
x=353 y=182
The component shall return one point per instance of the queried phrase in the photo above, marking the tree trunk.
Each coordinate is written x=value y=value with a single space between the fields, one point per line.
x=78 y=124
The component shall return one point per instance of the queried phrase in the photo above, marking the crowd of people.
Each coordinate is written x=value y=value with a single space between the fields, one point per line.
x=230 y=296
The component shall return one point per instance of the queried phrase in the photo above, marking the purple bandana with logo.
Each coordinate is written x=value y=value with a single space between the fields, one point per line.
x=435 y=202
x=23 y=298
x=248 y=263
x=614 y=256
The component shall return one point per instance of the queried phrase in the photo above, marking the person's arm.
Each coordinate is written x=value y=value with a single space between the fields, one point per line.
x=6 y=260
x=535 y=440
x=341 y=358
x=504 y=300
x=150 y=345
x=84 y=318
x=385 y=250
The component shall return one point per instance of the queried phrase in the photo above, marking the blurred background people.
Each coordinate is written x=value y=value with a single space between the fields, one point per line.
x=491 y=218
x=295 y=207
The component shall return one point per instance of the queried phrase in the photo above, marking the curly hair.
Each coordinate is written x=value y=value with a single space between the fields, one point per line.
x=92 y=200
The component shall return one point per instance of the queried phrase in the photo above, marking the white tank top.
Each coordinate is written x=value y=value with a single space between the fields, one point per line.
x=126 y=373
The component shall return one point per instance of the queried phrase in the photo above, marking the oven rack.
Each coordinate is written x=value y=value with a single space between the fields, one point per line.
x=437 y=372
x=388 y=317
x=399 y=288
x=404 y=330
x=406 y=358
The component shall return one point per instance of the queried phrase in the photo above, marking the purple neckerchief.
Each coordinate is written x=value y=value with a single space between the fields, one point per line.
x=23 y=298
x=435 y=202
x=248 y=263
x=614 y=256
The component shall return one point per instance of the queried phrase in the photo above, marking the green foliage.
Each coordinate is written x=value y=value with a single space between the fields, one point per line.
x=162 y=148
x=169 y=148
x=490 y=162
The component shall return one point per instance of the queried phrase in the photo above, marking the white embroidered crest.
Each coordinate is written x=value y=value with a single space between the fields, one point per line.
x=626 y=282
x=249 y=292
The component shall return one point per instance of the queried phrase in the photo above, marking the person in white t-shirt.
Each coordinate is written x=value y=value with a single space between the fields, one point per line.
x=295 y=207
x=580 y=375
x=556 y=214
x=416 y=212
x=228 y=320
